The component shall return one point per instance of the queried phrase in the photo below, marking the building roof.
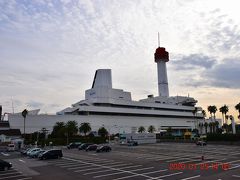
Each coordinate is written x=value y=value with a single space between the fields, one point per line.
x=11 y=132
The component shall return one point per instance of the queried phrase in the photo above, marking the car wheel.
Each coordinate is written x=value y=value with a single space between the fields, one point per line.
x=6 y=168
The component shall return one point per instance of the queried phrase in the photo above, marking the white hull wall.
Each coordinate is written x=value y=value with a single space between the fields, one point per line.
x=114 y=124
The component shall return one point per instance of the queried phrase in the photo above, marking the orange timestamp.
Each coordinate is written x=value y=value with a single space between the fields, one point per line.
x=202 y=166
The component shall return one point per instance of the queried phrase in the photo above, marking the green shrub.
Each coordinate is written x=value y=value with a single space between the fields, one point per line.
x=223 y=137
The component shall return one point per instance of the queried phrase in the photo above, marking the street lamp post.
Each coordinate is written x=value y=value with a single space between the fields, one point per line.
x=24 y=114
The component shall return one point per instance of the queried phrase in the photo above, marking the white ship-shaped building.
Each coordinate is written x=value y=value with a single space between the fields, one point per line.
x=114 y=108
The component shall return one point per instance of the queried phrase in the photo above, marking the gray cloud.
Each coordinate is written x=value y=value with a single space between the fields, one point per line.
x=223 y=75
x=194 y=61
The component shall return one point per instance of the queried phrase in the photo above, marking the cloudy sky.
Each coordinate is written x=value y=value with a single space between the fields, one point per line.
x=50 y=49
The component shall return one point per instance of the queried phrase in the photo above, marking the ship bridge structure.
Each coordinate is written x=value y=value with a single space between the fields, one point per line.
x=114 y=108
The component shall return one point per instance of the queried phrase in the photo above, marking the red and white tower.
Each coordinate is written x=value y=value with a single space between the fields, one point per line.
x=161 y=57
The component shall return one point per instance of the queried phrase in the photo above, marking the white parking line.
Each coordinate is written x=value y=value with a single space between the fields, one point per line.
x=104 y=175
x=66 y=164
x=179 y=159
x=95 y=172
x=234 y=154
x=22 y=161
x=193 y=177
x=126 y=177
x=190 y=161
x=167 y=175
x=5 y=154
x=82 y=167
x=107 y=167
x=234 y=167
x=12 y=173
x=99 y=168
x=237 y=176
x=98 y=164
x=25 y=178
x=10 y=177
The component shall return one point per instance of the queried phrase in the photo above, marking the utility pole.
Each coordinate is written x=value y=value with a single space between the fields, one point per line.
x=24 y=114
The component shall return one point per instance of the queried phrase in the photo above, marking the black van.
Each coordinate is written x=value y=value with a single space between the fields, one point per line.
x=51 y=154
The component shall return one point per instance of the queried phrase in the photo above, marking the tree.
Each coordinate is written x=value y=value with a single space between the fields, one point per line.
x=211 y=127
x=71 y=128
x=224 y=110
x=194 y=111
x=216 y=126
x=169 y=131
x=102 y=132
x=209 y=108
x=237 y=107
x=141 y=129
x=85 y=128
x=214 y=110
x=206 y=126
x=204 y=114
x=151 y=129
x=200 y=127
x=225 y=127
x=58 y=129
x=24 y=114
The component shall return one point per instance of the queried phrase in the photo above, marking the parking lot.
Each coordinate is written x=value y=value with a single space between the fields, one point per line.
x=155 y=161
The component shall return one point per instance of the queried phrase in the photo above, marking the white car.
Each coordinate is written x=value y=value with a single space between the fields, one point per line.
x=11 y=147
x=33 y=150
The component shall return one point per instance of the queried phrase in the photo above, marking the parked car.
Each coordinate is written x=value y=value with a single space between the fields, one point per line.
x=132 y=143
x=201 y=143
x=4 y=165
x=51 y=154
x=35 y=154
x=104 y=149
x=74 y=145
x=84 y=146
x=33 y=150
x=11 y=147
x=24 y=151
x=91 y=147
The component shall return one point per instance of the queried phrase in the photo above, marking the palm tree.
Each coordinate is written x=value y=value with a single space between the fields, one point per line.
x=71 y=128
x=102 y=132
x=237 y=107
x=141 y=129
x=85 y=128
x=58 y=129
x=209 y=108
x=226 y=118
x=151 y=129
x=224 y=110
x=211 y=127
x=214 y=110
x=225 y=127
x=194 y=111
x=216 y=125
x=206 y=126
x=169 y=131
x=201 y=127
x=204 y=114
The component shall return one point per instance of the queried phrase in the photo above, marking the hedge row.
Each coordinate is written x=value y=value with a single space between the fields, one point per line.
x=63 y=141
x=223 y=137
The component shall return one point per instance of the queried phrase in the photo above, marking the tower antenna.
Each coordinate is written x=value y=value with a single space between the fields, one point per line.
x=158 y=40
